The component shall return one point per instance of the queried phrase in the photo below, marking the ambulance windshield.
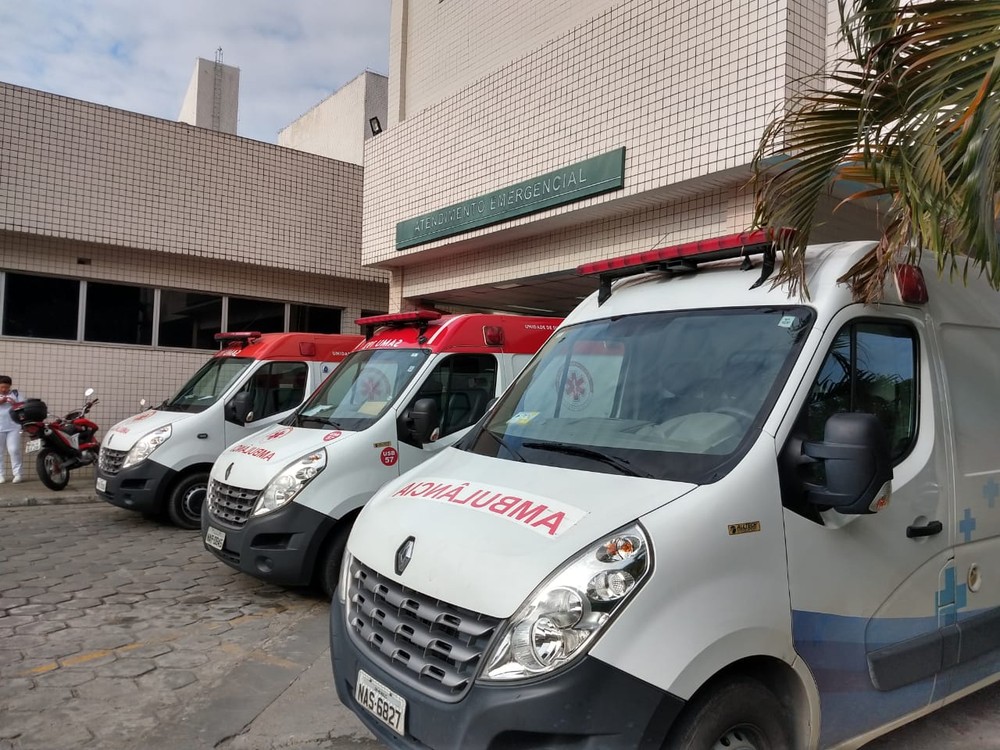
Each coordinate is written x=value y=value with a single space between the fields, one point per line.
x=208 y=384
x=670 y=395
x=360 y=390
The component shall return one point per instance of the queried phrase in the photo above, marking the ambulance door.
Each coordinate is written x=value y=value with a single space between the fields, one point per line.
x=866 y=590
x=971 y=357
x=461 y=386
x=275 y=388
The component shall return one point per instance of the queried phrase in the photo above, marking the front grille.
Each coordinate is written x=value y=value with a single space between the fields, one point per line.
x=109 y=461
x=429 y=644
x=230 y=505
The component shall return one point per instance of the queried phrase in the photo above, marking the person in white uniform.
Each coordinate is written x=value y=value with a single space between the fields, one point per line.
x=10 y=430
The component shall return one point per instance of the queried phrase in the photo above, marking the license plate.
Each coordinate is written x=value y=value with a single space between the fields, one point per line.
x=33 y=445
x=102 y=484
x=380 y=701
x=215 y=538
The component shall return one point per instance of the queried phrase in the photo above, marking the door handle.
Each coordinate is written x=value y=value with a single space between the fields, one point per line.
x=932 y=528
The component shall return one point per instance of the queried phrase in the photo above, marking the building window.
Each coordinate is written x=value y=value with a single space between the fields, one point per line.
x=314 y=319
x=255 y=315
x=40 y=306
x=118 y=314
x=189 y=320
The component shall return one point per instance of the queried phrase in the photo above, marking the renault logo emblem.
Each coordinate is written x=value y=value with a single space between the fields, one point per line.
x=228 y=470
x=404 y=554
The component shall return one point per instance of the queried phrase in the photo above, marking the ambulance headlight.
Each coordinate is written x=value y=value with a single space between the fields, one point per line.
x=146 y=445
x=290 y=482
x=565 y=615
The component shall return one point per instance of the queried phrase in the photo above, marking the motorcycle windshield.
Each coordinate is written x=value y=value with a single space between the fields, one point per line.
x=360 y=390
x=208 y=384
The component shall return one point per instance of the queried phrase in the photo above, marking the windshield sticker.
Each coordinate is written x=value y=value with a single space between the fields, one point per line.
x=375 y=386
x=579 y=387
x=523 y=417
x=249 y=450
x=542 y=515
x=389 y=456
x=279 y=433
x=787 y=321
x=332 y=435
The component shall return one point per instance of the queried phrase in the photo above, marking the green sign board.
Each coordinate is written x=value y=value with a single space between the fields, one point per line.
x=596 y=175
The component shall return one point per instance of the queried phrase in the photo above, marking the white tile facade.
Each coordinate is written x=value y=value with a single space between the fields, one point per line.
x=489 y=94
x=100 y=194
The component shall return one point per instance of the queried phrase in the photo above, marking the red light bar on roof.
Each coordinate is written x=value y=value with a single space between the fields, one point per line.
x=686 y=257
x=700 y=251
x=403 y=318
x=243 y=337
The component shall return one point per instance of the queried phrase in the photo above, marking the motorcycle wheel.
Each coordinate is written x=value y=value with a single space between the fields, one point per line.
x=52 y=470
x=185 y=501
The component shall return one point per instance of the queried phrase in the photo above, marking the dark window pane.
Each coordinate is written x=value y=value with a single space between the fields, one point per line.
x=118 y=314
x=40 y=306
x=313 y=319
x=256 y=315
x=189 y=320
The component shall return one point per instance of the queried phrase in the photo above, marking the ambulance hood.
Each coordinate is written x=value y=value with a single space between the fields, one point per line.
x=129 y=431
x=254 y=461
x=487 y=532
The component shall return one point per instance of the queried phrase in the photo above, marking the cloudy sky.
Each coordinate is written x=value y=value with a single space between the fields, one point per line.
x=139 y=55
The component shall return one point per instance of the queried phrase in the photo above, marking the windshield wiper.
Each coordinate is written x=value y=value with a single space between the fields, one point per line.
x=302 y=420
x=505 y=445
x=577 y=450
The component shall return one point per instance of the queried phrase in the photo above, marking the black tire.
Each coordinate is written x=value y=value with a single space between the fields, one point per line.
x=52 y=470
x=739 y=714
x=328 y=570
x=186 y=499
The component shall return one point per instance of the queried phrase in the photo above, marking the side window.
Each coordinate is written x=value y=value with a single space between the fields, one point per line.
x=871 y=368
x=462 y=385
x=278 y=387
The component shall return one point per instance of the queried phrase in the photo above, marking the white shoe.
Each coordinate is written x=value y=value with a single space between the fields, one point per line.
x=2 y=480
x=17 y=480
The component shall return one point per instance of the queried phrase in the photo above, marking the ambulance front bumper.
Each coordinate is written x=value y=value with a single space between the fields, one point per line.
x=589 y=706
x=139 y=487
x=280 y=547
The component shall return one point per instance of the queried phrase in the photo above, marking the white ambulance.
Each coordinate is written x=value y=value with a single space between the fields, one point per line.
x=706 y=515
x=281 y=503
x=158 y=460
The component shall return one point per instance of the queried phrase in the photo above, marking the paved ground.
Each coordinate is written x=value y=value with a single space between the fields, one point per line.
x=117 y=632
x=120 y=633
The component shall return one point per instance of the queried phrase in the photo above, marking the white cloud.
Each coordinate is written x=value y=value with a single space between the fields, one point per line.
x=139 y=56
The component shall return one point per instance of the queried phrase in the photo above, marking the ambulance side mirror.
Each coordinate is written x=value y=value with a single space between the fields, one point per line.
x=416 y=424
x=238 y=408
x=857 y=463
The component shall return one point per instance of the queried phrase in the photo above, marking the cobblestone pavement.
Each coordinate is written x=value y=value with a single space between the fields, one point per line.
x=118 y=632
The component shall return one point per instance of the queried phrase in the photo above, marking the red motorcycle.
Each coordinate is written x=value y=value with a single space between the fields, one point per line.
x=62 y=444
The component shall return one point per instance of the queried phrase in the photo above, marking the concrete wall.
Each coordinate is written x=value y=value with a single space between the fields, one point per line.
x=212 y=97
x=685 y=88
x=98 y=194
x=439 y=48
x=338 y=126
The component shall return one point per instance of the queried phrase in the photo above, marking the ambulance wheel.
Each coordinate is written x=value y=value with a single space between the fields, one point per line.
x=52 y=470
x=740 y=714
x=186 y=499
x=328 y=574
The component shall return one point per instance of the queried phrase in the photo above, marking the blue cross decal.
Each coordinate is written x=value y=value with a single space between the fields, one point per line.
x=950 y=599
x=967 y=525
x=991 y=491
